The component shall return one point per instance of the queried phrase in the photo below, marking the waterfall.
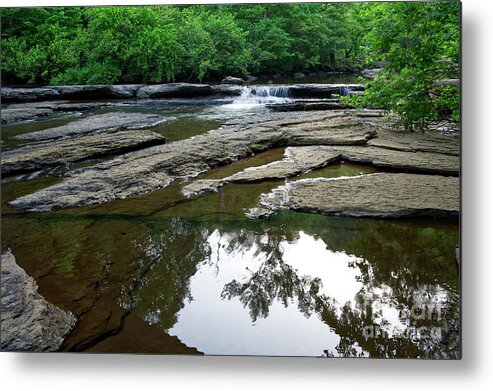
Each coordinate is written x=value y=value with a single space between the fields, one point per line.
x=262 y=95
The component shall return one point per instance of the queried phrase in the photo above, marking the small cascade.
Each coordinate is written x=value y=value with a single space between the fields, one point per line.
x=344 y=90
x=262 y=95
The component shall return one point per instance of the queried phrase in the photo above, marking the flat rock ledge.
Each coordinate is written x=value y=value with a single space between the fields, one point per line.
x=158 y=91
x=381 y=195
x=152 y=168
x=29 y=322
x=55 y=153
x=23 y=114
x=299 y=160
x=308 y=106
x=97 y=123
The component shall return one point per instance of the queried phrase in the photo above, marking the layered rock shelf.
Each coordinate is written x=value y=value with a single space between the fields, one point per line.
x=299 y=160
x=331 y=136
x=97 y=123
x=382 y=195
x=169 y=90
x=55 y=153
x=152 y=168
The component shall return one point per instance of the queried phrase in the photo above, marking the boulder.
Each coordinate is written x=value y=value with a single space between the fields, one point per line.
x=298 y=75
x=232 y=80
x=29 y=322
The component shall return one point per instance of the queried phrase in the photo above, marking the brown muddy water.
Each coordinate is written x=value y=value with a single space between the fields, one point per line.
x=140 y=271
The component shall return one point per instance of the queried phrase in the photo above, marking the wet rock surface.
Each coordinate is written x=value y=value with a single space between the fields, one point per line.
x=382 y=195
x=227 y=90
x=308 y=106
x=415 y=142
x=232 y=80
x=169 y=90
x=174 y=90
x=341 y=135
x=29 y=322
x=23 y=114
x=60 y=105
x=53 y=153
x=302 y=159
x=9 y=95
x=97 y=123
x=83 y=92
x=153 y=168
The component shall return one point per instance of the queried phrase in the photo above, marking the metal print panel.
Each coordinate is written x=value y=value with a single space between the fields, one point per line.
x=261 y=179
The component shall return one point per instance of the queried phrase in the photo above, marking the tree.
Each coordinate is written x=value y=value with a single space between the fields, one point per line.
x=419 y=45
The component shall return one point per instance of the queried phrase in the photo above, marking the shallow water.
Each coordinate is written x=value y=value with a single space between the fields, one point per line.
x=198 y=268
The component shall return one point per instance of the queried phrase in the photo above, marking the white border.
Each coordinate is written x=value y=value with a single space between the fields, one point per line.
x=126 y=372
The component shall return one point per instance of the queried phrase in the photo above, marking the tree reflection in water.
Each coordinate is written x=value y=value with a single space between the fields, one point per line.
x=309 y=283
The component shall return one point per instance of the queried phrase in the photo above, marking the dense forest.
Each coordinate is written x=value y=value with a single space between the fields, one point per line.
x=418 y=44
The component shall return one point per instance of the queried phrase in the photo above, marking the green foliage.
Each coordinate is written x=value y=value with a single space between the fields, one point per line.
x=160 y=44
x=419 y=44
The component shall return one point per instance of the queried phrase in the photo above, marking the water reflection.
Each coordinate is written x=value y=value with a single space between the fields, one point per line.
x=273 y=290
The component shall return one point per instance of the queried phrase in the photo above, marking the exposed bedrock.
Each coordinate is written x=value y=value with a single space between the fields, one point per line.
x=416 y=142
x=9 y=95
x=97 y=123
x=152 y=168
x=29 y=322
x=307 y=106
x=322 y=90
x=169 y=90
x=61 y=105
x=10 y=115
x=232 y=80
x=79 y=92
x=59 y=152
x=302 y=159
x=174 y=90
x=381 y=195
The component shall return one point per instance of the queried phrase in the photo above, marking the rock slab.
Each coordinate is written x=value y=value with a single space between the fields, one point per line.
x=97 y=123
x=59 y=152
x=18 y=114
x=152 y=168
x=29 y=322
